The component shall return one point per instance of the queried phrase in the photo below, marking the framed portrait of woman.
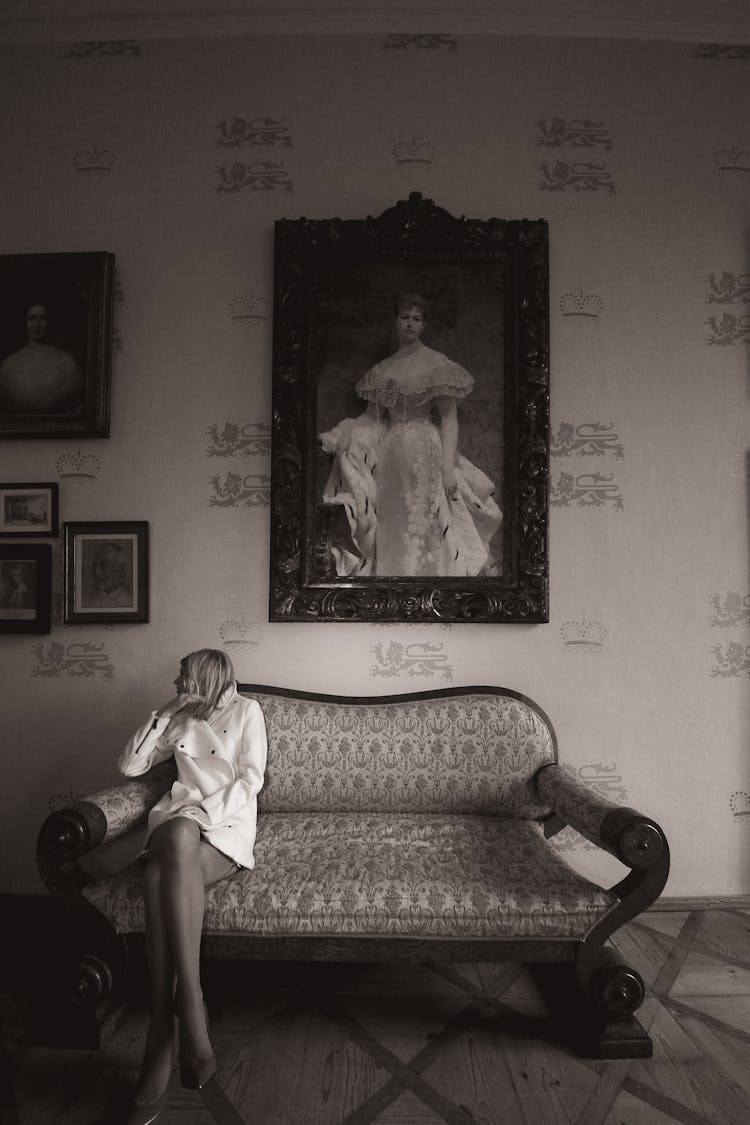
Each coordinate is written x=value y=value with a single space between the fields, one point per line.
x=55 y=344
x=410 y=438
x=25 y=587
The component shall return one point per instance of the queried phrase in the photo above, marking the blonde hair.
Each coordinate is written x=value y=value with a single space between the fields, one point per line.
x=208 y=672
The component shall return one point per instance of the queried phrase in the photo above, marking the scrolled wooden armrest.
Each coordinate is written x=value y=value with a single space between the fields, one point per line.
x=70 y=833
x=636 y=840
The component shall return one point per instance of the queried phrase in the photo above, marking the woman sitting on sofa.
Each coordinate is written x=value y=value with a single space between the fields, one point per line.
x=202 y=830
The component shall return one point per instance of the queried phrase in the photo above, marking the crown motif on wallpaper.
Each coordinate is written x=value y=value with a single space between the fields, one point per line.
x=94 y=160
x=414 y=152
x=248 y=308
x=732 y=159
x=240 y=632
x=588 y=305
x=583 y=635
x=739 y=803
x=78 y=466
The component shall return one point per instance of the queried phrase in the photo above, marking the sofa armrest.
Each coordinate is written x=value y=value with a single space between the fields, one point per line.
x=67 y=835
x=636 y=840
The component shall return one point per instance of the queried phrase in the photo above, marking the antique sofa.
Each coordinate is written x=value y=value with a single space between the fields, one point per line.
x=406 y=826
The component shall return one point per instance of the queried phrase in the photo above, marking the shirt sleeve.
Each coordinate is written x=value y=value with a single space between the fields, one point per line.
x=147 y=747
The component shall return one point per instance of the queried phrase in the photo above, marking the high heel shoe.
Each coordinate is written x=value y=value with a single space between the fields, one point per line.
x=144 y=1112
x=196 y=1073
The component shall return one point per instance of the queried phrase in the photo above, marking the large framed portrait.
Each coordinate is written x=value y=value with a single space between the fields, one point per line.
x=106 y=572
x=410 y=438
x=55 y=344
x=28 y=510
x=25 y=587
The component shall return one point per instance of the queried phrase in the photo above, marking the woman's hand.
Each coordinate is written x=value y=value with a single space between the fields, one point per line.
x=450 y=483
x=182 y=704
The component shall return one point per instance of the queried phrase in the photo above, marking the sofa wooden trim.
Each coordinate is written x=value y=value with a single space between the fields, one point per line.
x=611 y=990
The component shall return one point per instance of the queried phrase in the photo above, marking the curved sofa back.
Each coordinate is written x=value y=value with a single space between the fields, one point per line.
x=459 y=750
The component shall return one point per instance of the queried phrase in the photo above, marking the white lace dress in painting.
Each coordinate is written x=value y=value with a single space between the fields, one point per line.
x=388 y=475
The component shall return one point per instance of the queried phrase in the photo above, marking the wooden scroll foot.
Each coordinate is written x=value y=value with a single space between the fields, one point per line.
x=608 y=1027
x=615 y=1039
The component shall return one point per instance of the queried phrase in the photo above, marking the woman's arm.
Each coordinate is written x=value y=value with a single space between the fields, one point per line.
x=146 y=747
x=448 y=412
x=149 y=744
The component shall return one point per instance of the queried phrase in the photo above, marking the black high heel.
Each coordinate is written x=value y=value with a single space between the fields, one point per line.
x=144 y=1112
x=196 y=1073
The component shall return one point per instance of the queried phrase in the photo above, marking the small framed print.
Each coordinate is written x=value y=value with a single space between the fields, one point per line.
x=25 y=587
x=106 y=572
x=28 y=511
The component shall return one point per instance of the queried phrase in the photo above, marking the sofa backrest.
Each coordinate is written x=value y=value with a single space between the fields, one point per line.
x=461 y=750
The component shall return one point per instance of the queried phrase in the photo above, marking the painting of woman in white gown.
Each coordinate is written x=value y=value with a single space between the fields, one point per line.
x=415 y=504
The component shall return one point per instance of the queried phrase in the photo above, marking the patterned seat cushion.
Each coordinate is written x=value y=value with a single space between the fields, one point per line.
x=473 y=753
x=388 y=875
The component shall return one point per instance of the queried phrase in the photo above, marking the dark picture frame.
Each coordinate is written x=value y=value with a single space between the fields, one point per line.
x=29 y=511
x=335 y=287
x=55 y=344
x=25 y=587
x=106 y=572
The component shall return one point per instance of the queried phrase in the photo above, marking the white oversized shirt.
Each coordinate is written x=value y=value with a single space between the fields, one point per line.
x=220 y=765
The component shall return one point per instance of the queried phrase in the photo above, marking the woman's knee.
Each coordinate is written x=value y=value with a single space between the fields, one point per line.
x=176 y=839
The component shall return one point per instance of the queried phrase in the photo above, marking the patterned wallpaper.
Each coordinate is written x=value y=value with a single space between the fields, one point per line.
x=178 y=157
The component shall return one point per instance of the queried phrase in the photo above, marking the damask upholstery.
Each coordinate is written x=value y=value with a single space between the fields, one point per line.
x=474 y=753
x=388 y=874
x=563 y=791
x=397 y=826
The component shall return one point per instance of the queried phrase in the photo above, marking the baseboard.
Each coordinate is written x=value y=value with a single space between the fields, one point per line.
x=702 y=902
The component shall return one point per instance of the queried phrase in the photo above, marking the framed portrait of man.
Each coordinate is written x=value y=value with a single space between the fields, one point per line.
x=410 y=443
x=55 y=344
x=106 y=572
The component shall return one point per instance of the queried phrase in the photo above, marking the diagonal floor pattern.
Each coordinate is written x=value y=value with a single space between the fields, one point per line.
x=401 y=1044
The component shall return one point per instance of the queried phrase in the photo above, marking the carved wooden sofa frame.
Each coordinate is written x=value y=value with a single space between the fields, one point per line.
x=377 y=840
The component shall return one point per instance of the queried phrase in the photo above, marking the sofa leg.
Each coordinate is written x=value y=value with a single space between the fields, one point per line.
x=615 y=1039
x=614 y=991
x=87 y=991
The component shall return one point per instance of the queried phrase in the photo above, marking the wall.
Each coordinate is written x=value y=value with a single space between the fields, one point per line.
x=637 y=154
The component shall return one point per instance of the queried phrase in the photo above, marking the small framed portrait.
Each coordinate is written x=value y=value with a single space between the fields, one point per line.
x=28 y=511
x=106 y=572
x=55 y=344
x=410 y=441
x=25 y=587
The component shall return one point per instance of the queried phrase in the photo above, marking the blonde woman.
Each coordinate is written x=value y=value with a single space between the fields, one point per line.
x=202 y=830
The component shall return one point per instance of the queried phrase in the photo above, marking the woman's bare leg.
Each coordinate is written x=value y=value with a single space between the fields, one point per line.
x=186 y=865
x=158 y=1057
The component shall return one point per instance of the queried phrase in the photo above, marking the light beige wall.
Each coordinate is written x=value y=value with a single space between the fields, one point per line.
x=644 y=666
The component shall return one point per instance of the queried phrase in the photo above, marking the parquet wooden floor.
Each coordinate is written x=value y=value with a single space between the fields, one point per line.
x=433 y=1044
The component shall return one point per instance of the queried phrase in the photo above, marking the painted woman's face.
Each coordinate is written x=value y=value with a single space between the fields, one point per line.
x=409 y=324
x=36 y=323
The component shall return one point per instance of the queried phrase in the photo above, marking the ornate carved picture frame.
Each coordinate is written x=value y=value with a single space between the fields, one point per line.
x=410 y=437
x=55 y=344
